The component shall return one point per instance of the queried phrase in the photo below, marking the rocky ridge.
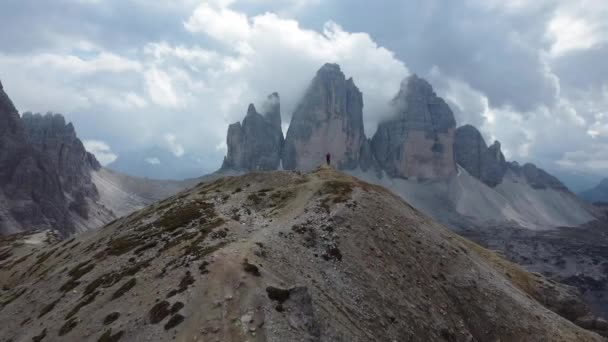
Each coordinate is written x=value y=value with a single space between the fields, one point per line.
x=488 y=164
x=278 y=256
x=598 y=194
x=257 y=142
x=418 y=142
x=31 y=192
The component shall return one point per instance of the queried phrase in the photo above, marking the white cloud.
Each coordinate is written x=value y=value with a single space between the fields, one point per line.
x=160 y=88
x=102 y=62
x=577 y=25
x=176 y=148
x=153 y=161
x=101 y=150
x=219 y=22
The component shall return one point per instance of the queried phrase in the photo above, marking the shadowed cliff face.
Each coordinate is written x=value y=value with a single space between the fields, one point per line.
x=256 y=143
x=488 y=164
x=329 y=119
x=44 y=172
x=418 y=141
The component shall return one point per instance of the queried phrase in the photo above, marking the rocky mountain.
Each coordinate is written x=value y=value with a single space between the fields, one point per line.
x=49 y=181
x=597 y=194
x=52 y=137
x=329 y=119
x=278 y=256
x=488 y=164
x=418 y=142
x=257 y=142
x=482 y=162
x=31 y=191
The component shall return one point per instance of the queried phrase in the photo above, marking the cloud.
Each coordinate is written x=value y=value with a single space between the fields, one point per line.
x=219 y=23
x=101 y=150
x=176 y=148
x=153 y=161
x=530 y=74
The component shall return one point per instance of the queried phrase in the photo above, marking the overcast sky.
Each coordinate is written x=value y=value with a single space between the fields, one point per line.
x=138 y=75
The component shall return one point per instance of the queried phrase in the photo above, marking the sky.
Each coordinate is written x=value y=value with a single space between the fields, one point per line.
x=140 y=79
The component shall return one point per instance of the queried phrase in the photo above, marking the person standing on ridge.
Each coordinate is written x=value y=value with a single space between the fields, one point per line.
x=328 y=158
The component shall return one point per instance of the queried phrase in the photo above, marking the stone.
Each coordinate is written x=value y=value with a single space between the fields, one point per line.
x=485 y=163
x=417 y=142
x=328 y=119
x=44 y=172
x=256 y=143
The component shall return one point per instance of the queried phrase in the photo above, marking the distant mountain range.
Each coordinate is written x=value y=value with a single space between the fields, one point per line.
x=597 y=194
x=446 y=171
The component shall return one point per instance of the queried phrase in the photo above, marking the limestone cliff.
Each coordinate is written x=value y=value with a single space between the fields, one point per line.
x=256 y=143
x=31 y=194
x=418 y=141
x=329 y=119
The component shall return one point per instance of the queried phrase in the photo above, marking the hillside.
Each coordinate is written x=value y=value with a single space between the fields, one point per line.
x=277 y=256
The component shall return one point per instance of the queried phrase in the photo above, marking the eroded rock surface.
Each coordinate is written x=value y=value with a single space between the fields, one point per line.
x=329 y=119
x=418 y=141
x=257 y=142
x=31 y=193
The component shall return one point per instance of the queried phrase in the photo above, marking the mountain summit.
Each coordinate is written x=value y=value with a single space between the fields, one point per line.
x=329 y=119
x=418 y=141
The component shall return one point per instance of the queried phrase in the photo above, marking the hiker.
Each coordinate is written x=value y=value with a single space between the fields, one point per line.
x=328 y=158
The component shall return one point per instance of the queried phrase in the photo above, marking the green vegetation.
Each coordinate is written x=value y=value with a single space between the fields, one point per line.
x=122 y=245
x=68 y=326
x=48 y=308
x=251 y=268
x=124 y=288
x=159 y=311
x=76 y=273
x=112 y=278
x=145 y=247
x=11 y=297
x=111 y=318
x=254 y=198
x=174 y=321
x=336 y=192
x=176 y=307
x=83 y=302
x=40 y=337
x=108 y=337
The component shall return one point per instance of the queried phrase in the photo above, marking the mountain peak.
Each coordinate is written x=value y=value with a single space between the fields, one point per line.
x=328 y=119
x=251 y=110
x=417 y=142
x=330 y=68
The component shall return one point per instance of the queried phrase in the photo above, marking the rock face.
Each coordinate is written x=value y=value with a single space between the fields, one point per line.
x=30 y=189
x=418 y=141
x=329 y=119
x=51 y=136
x=482 y=162
x=256 y=143
x=45 y=173
x=488 y=164
x=536 y=177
